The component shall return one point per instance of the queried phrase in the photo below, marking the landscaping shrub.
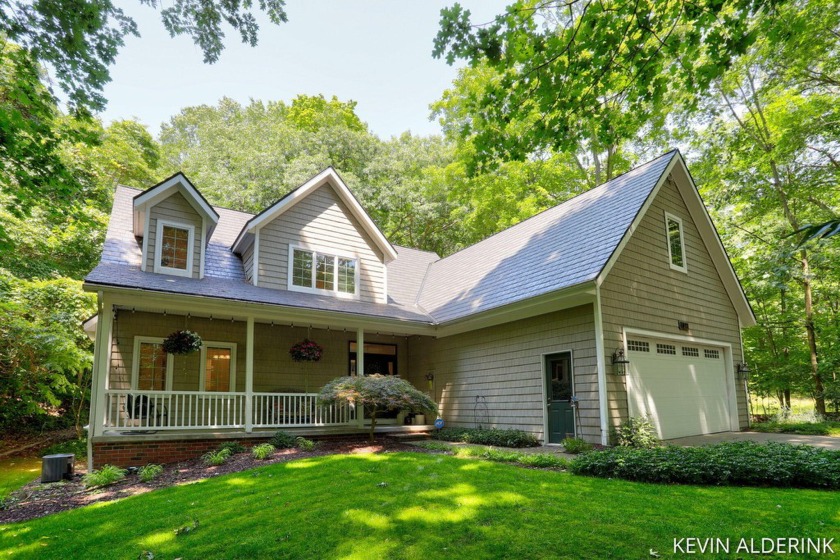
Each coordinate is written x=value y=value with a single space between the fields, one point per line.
x=806 y=423
x=234 y=447
x=78 y=447
x=283 y=440
x=501 y=438
x=263 y=451
x=734 y=463
x=636 y=432
x=576 y=445
x=149 y=472
x=805 y=428
x=304 y=444
x=217 y=457
x=107 y=475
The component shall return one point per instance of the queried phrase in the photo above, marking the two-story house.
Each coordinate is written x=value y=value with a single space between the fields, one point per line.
x=619 y=302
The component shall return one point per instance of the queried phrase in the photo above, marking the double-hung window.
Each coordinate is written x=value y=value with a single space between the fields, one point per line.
x=174 y=248
x=676 y=242
x=218 y=367
x=152 y=368
x=314 y=271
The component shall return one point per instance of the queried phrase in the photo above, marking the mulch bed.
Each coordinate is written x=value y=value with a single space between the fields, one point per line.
x=37 y=500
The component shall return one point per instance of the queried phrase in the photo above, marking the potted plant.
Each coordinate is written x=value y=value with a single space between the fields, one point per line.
x=182 y=343
x=306 y=351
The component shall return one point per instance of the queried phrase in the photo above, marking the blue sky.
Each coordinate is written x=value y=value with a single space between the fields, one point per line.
x=376 y=52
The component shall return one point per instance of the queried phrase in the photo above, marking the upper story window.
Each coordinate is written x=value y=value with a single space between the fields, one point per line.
x=676 y=242
x=312 y=271
x=174 y=248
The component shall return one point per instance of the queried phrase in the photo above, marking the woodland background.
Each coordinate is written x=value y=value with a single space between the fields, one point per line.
x=557 y=98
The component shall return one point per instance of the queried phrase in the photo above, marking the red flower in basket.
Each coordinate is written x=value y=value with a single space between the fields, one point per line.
x=306 y=351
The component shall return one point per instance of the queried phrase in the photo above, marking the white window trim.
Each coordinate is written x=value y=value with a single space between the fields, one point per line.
x=203 y=368
x=190 y=249
x=135 y=365
x=313 y=290
x=670 y=217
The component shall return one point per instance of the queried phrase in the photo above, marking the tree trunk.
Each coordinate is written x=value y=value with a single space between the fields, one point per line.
x=819 y=394
x=372 y=423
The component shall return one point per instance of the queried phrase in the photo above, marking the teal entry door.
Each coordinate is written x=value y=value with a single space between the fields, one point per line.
x=559 y=389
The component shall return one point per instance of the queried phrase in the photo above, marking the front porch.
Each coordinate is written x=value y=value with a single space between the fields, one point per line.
x=242 y=384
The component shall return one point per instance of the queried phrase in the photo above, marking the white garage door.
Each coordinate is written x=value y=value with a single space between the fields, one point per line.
x=682 y=387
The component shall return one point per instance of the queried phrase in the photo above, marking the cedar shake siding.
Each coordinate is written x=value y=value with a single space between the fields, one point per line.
x=320 y=222
x=642 y=291
x=175 y=208
x=504 y=364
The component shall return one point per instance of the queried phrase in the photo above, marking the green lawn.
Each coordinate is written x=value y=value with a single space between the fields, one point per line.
x=411 y=505
x=16 y=472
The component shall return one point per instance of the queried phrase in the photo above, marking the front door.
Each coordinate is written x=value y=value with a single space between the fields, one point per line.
x=561 y=414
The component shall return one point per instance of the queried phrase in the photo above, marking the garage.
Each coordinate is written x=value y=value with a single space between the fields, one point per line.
x=681 y=386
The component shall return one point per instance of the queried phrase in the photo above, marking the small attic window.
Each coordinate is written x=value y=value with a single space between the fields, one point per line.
x=174 y=248
x=676 y=242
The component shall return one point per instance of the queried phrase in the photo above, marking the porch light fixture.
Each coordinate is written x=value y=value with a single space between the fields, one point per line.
x=742 y=370
x=619 y=362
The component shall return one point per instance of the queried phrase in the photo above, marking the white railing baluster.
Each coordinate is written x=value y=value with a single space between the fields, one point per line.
x=184 y=410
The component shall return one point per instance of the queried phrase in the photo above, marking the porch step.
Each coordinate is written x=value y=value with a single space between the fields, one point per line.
x=410 y=436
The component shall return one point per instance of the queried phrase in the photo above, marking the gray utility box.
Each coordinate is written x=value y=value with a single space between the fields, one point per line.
x=57 y=467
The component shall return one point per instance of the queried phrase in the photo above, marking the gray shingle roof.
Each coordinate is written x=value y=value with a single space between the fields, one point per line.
x=559 y=248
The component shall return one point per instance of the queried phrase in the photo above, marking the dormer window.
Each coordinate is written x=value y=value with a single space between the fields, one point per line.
x=174 y=248
x=317 y=272
x=676 y=242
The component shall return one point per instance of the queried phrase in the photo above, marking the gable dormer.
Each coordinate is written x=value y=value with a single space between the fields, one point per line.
x=317 y=239
x=175 y=223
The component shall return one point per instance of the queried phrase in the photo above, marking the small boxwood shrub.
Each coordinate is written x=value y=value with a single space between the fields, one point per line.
x=636 y=432
x=149 y=472
x=576 y=445
x=734 y=463
x=234 y=447
x=283 y=440
x=107 y=475
x=500 y=438
x=263 y=451
x=217 y=457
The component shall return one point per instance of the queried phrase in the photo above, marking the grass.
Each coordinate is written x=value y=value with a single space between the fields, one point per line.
x=409 y=505
x=769 y=406
x=541 y=460
x=16 y=472
x=825 y=428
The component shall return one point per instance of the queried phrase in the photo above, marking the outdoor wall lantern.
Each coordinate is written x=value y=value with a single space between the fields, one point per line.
x=619 y=362
x=742 y=370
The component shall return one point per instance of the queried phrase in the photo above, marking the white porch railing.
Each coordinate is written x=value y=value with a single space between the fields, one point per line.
x=276 y=410
x=127 y=410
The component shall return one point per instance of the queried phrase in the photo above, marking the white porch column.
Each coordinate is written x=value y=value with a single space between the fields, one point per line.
x=101 y=366
x=249 y=376
x=360 y=370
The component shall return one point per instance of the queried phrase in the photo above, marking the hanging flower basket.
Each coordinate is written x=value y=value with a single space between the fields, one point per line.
x=182 y=342
x=306 y=351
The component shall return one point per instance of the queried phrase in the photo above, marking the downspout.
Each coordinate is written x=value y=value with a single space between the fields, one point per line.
x=602 y=367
